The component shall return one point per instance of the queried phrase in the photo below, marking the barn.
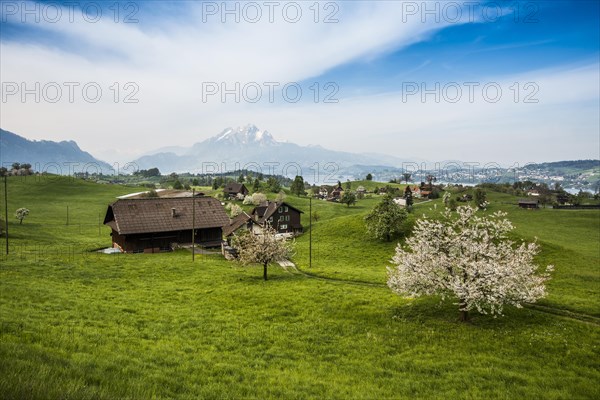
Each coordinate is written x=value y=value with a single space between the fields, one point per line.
x=234 y=189
x=531 y=204
x=155 y=224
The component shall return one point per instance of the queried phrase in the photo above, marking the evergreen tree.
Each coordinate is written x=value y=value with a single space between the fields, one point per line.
x=297 y=186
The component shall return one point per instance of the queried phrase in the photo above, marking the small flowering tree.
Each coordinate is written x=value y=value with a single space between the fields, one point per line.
x=234 y=210
x=470 y=258
x=21 y=214
x=258 y=198
x=261 y=249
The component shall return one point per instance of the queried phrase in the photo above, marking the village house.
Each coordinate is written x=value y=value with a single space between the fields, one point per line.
x=528 y=203
x=238 y=224
x=234 y=189
x=400 y=201
x=416 y=192
x=156 y=224
x=323 y=192
x=336 y=193
x=280 y=216
x=162 y=193
x=425 y=194
x=361 y=190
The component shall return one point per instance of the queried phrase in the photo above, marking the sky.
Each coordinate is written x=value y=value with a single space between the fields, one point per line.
x=505 y=81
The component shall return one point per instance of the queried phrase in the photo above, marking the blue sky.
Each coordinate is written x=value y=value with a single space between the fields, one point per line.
x=371 y=55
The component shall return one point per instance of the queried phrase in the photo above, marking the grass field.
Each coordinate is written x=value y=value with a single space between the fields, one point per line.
x=76 y=324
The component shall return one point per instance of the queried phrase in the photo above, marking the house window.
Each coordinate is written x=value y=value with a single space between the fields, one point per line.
x=286 y=209
x=283 y=227
x=281 y=218
x=280 y=210
x=287 y=217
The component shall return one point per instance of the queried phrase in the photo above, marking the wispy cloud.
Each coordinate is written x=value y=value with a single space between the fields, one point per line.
x=169 y=55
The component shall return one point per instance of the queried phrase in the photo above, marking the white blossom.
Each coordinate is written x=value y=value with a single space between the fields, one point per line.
x=470 y=258
x=262 y=249
x=258 y=198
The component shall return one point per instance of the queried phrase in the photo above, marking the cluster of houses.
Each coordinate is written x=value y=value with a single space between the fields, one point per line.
x=151 y=225
x=330 y=193
x=334 y=193
x=416 y=191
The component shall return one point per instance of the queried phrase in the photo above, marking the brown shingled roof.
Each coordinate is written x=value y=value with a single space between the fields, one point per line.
x=236 y=223
x=235 y=187
x=130 y=216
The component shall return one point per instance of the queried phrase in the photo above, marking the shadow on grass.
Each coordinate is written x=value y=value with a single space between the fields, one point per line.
x=433 y=311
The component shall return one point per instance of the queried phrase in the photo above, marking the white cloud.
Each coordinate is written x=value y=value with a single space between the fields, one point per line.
x=170 y=59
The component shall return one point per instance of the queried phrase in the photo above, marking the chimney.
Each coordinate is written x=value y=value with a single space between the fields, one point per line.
x=173 y=212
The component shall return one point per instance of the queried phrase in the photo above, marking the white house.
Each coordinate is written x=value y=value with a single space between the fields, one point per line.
x=400 y=201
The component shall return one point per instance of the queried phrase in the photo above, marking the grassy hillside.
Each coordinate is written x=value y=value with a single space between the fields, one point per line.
x=75 y=324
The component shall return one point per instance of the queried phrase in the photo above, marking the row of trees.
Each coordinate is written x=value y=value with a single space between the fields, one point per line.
x=17 y=169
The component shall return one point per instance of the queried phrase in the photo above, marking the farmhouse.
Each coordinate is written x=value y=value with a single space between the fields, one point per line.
x=336 y=193
x=400 y=201
x=425 y=193
x=526 y=203
x=240 y=222
x=323 y=192
x=233 y=189
x=416 y=192
x=280 y=216
x=162 y=193
x=155 y=224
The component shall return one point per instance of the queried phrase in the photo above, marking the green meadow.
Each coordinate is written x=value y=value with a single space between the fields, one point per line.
x=77 y=324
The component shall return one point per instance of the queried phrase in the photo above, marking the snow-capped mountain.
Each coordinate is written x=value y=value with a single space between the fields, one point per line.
x=242 y=146
x=248 y=135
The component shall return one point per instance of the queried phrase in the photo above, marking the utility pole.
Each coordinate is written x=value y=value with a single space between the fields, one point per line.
x=6 y=209
x=310 y=233
x=193 y=224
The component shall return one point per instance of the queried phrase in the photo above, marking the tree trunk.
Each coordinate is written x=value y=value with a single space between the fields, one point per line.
x=265 y=271
x=20 y=222
x=464 y=314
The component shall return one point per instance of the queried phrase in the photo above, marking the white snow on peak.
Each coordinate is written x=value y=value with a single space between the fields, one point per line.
x=248 y=134
x=223 y=134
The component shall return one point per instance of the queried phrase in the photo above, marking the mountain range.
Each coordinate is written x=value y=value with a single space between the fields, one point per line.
x=249 y=145
x=47 y=156
x=251 y=148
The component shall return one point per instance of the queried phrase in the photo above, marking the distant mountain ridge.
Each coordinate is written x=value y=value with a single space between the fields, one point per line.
x=63 y=157
x=250 y=145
